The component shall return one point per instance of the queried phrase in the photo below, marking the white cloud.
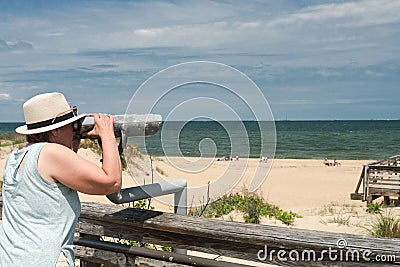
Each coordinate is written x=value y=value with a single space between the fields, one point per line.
x=55 y=33
x=359 y=13
x=151 y=32
x=252 y=28
x=328 y=73
x=4 y=96
x=373 y=73
x=294 y=102
x=249 y=25
x=15 y=45
x=101 y=43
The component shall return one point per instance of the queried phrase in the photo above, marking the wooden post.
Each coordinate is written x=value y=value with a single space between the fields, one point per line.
x=365 y=183
x=386 y=200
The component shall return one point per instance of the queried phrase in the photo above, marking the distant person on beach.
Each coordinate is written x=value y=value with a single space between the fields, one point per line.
x=336 y=163
x=331 y=163
x=40 y=201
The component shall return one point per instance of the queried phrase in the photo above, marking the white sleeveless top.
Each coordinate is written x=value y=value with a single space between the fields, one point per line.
x=39 y=216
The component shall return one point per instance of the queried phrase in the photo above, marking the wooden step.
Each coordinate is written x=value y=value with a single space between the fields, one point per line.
x=385 y=187
x=357 y=196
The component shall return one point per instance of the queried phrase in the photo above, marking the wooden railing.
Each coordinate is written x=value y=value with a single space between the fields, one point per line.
x=99 y=223
x=379 y=179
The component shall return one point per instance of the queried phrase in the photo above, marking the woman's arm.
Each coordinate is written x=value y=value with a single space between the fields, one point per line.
x=59 y=163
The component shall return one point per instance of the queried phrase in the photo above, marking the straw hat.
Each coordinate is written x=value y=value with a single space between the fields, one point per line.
x=47 y=112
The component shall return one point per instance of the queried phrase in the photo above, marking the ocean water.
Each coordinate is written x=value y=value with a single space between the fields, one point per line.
x=372 y=139
x=9 y=127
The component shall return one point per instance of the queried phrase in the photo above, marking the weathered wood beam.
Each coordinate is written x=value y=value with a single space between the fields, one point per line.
x=214 y=236
x=233 y=239
x=384 y=168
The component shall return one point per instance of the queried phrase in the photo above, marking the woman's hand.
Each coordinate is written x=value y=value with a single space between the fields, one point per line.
x=103 y=126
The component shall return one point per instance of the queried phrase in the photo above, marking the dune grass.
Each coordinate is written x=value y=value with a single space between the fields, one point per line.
x=91 y=144
x=385 y=225
x=12 y=139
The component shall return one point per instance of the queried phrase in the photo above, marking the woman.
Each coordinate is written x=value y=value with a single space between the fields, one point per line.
x=40 y=182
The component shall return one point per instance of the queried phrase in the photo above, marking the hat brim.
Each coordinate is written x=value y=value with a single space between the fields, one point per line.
x=24 y=129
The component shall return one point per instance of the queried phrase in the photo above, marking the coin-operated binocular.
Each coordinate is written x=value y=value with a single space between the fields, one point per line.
x=127 y=125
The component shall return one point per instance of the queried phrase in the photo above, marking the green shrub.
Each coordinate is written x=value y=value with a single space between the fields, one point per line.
x=143 y=204
x=252 y=206
x=374 y=208
x=286 y=217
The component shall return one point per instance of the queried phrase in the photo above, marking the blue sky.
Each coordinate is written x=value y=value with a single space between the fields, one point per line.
x=310 y=59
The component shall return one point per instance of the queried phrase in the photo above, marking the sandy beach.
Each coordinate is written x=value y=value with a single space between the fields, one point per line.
x=319 y=194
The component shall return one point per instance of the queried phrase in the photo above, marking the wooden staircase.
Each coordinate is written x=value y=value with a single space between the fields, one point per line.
x=379 y=179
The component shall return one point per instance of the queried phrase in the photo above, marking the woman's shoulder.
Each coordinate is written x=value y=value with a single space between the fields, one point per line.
x=54 y=148
x=52 y=151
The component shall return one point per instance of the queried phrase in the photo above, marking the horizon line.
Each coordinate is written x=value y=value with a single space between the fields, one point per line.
x=250 y=120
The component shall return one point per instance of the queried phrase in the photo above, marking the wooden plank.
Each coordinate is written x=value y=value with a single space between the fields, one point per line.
x=386 y=178
x=384 y=187
x=384 y=168
x=233 y=239
x=356 y=196
x=160 y=237
x=221 y=237
x=386 y=161
x=386 y=182
x=381 y=193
